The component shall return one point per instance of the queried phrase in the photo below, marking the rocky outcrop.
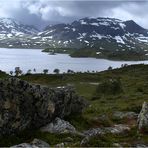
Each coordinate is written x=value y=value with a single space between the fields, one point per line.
x=24 y=106
x=116 y=129
x=36 y=143
x=59 y=126
x=124 y=115
x=143 y=118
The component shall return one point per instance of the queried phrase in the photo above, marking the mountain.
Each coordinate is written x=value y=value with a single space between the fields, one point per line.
x=14 y=33
x=91 y=31
x=96 y=37
x=12 y=27
x=100 y=37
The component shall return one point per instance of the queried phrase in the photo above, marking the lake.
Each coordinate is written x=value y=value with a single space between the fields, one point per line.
x=33 y=58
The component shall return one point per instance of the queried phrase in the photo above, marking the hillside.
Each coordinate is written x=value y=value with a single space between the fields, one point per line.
x=109 y=108
x=90 y=37
x=100 y=38
x=95 y=32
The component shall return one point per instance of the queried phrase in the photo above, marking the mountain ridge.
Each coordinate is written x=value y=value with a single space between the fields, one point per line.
x=99 y=33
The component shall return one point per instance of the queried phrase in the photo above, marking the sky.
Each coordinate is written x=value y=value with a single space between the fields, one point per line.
x=44 y=12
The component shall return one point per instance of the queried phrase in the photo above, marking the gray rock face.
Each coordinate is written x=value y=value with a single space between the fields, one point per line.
x=117 y=129
x=143 y=118
x=60 y=145
x=39 y=143
x=59 y=126
x=24 y=106
x=36 y=143
x=22 y=145
x=123 y=115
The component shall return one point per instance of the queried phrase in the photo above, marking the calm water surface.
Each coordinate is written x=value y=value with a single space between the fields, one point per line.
x=34 y=58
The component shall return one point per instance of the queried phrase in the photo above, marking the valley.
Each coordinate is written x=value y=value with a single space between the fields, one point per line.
x=73 y=73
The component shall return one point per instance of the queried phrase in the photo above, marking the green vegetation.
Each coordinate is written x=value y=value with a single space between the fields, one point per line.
x=45 y=71
x=3 y=75
x=28 y=136
x=123 y=89
x=56 y=71
x=59 y=50
x=127 y=55
x=106 y=50
x=109 y=87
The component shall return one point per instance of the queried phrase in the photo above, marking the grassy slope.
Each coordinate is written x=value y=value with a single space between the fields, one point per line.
x=110 y=54
x=135 y=91
x=59 y=50
x=108 y=50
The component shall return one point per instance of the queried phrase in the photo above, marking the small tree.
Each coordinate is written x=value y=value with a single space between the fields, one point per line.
x=70 y=71
x=56 y=71
x=109 y=87
x=45 y=71
x=34 y=70
x=11 y=73
x=18 y=71
x=29 y=71
x=124 y=65
x=110 y=68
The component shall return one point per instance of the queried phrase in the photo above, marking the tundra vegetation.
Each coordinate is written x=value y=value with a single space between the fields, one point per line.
x=115 y=97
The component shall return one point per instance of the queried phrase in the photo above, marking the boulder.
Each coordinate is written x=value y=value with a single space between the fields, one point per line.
x=22 y=145
x=125 y=115
x=143 y=118
x=59 y=126
x=116 y=129
x=140 y=146
x=36 y=143
x=27 y=106
x=39 y=143
x=60 y=145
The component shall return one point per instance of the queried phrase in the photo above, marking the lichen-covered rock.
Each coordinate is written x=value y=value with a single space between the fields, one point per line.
x=39 y=143
x=59 y=126
x=116 y=129
x=143 y=118
x=22 y=145
x=36 y=143
x=24 y=106
x=124 y=115
x=60 y=145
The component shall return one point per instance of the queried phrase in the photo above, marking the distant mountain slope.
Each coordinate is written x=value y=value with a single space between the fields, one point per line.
x=91 y=31
x=101 y=38
x=12 y=27
x=100 y=34
x=15 y=34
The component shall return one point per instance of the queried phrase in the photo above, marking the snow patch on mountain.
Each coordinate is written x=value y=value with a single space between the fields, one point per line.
x=97 y=36
x=119 y=39
x=122 y=25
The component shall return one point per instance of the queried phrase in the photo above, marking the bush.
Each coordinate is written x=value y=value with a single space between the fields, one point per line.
x=109 y=87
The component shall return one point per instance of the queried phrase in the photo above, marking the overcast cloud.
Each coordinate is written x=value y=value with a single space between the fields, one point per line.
x=43 y=12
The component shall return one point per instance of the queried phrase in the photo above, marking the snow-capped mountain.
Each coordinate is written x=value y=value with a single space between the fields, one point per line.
x=10 y=27
x=91 y=31
x=98 y=33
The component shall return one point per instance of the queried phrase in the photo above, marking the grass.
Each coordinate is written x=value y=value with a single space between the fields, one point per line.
x=134 y=84
x=127 y=55
x=28 y=136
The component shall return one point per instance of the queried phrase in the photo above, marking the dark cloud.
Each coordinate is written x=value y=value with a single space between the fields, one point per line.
x=43 y=12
